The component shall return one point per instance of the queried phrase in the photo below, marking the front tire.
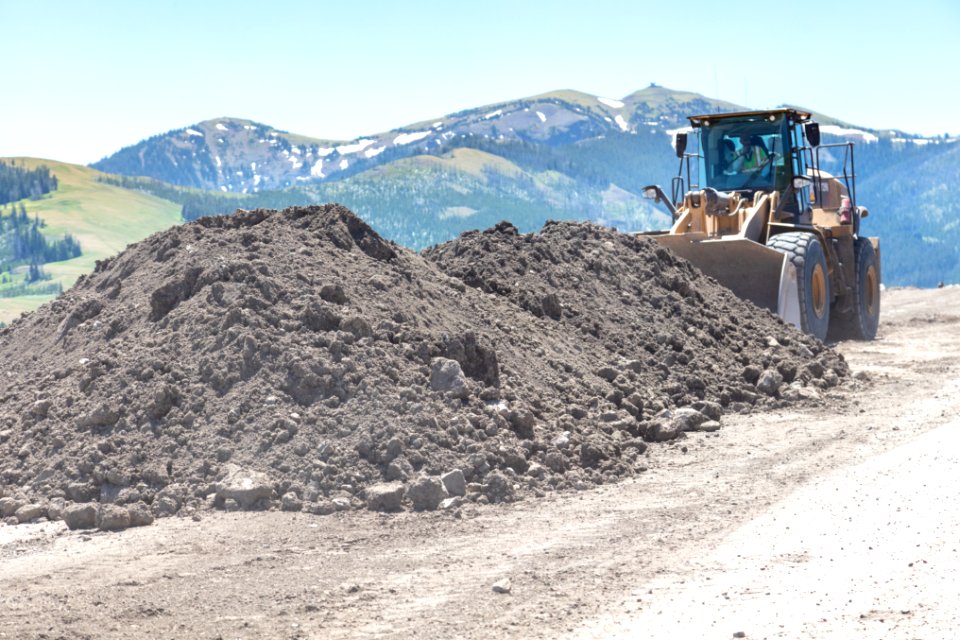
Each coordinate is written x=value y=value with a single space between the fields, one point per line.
x=813 y=278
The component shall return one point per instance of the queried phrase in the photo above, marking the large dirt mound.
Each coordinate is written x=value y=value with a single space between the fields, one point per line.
x=297 y=359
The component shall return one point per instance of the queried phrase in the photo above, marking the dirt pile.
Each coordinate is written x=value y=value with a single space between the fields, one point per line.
x=295 y=359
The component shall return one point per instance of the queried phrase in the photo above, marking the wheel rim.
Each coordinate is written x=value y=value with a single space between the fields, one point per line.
x=818 y=291
x=871 y=297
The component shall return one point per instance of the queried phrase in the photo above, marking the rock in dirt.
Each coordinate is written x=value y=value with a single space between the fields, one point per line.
x=426 y=493
x=454 y=483
x=494 y=353
x=385 y=496
x=447 y=376
x=249 y=488
x=9 y=506
x=140 y=515
x=80 y=516
x=502 y=586
x=29 y=512
x=497 y=487
x=769 y=382
x=112 y=517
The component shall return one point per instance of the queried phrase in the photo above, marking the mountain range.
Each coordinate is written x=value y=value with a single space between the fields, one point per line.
x=561 y=155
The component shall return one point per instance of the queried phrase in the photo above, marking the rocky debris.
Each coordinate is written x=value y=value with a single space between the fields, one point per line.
x=80 y=516
x=502 y=586
x=30 y=512
x=296 y=360
x=769 y=382
x=497 y=487
x=454 y=483
x=386 y=496
x=9 y=506
x=426 y=493
x=447 y=376
x=140 y=515
x=112 y=517
x=248 y=488
x=291 y=502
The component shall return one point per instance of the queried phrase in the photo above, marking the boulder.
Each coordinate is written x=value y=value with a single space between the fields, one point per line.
x=497 y=487
x=291 y=502
x=246 y=486
x=454 y=482
x=446 y=376
x=385 y=496
x=9 y=506
x=80 y=516
x=29 y=512
x=426 y=493
x=113 y=517
x=769 y=382
x=140 y=515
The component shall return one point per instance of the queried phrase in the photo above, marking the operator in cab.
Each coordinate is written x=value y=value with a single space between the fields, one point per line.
x=751 y=156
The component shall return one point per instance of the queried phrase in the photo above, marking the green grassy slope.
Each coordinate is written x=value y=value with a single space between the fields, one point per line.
x=102 y=217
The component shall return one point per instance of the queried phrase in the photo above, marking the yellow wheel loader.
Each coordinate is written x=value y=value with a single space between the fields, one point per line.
x=752 y=208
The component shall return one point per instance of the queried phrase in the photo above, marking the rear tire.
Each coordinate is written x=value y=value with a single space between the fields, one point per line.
x=860 y=322
x=813 y=279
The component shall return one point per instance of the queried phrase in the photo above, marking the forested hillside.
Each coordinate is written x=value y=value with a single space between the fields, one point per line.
x=24 y=249
x=19 y=182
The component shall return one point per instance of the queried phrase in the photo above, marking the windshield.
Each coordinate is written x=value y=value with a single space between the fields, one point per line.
x=744 y=154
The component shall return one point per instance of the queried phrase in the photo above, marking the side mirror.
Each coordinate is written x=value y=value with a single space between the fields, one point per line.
x=800 y=182
x=651 y=193
x=681 y=144
x=863 y=212
x=812 y=130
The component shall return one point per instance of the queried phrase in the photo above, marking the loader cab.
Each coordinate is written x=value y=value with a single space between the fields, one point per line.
x=749 y=152
x=746 y=153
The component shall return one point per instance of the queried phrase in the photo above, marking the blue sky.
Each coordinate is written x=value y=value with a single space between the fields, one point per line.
x=84 y=79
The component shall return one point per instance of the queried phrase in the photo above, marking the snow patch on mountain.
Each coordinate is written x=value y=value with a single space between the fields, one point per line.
x=542 y=117
x=835 y=130
x=493 y=114
x=621 y=123
x=359 y=145
x=222 y=127
x=323 y=152
x=317 y=169
x=407 y=138
x=610 y=102
x=370 y=153
x=344 y=163
x=194 y=132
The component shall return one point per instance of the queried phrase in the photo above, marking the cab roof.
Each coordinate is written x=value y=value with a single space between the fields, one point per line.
x=793 y=114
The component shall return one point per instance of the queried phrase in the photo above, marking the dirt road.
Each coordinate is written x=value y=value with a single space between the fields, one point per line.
x=802 y=523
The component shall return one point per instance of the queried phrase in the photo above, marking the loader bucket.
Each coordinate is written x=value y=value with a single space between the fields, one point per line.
x=751 y=270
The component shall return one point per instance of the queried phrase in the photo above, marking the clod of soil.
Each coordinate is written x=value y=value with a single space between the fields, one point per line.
x=297 y=360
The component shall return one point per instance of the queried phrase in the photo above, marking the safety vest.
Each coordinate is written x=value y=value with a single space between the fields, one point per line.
x=756 y=158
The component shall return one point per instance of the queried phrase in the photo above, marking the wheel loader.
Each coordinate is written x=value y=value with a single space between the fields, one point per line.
x=753 y=208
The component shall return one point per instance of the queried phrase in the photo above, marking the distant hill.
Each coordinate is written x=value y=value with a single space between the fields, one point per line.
x=561 y=155
x=102 y=218
x=564 y=154
x=235 y=155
